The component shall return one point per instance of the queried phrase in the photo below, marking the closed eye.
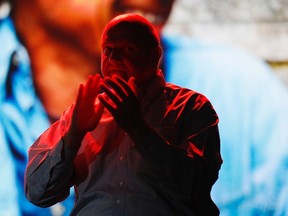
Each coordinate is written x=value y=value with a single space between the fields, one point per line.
x=130 y=49
x=107 y=50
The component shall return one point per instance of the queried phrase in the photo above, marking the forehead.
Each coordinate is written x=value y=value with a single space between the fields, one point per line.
x=120 y=36
x=128 y=32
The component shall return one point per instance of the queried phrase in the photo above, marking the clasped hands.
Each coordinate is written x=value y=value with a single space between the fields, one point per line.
x=114 y=94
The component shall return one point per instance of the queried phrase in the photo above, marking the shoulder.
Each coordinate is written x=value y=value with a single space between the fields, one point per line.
x=193 y=107
x=187 y=92
x=188 y=96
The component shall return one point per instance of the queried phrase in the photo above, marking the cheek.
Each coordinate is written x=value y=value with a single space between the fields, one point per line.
x=140 y=63
x=104 y=66
x=133 y=65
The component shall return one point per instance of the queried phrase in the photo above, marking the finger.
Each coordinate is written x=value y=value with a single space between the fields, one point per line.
x=98 y=106
x=95 y=85
x=132 y=85
x=124 y=84
x=116 y=87
x=78 y=101
x=111 y=94
x=104 y=99
x=98 y=110
x=89 y=90
x=92 y=88
x=79 y=94
x=89 y=81
x=97 y=79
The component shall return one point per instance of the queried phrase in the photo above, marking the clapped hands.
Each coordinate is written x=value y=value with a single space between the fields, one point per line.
x=120 y=100
x=115 y=94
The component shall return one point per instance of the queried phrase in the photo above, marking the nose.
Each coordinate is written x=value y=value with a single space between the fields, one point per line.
x=115 y=56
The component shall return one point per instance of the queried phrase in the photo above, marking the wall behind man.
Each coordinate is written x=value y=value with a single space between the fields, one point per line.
x=260 y=26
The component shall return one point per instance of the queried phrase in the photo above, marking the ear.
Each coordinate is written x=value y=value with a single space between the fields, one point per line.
x=156 y=55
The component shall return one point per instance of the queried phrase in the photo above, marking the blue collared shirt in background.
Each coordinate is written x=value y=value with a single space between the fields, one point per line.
x=22 y=120
x=252 y=105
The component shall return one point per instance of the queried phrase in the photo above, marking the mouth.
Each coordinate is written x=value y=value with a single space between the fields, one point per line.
x=123 y=74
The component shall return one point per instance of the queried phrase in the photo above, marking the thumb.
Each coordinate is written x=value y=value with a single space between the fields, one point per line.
x=98 y=109
x=132 y=84
x=79 y=94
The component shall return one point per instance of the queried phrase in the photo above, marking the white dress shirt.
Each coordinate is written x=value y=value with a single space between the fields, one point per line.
x=170 y=173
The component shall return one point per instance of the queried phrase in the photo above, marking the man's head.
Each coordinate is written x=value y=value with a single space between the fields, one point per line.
x=130 y=48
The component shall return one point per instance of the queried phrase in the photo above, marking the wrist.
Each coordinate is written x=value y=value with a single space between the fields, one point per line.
x=73 y=139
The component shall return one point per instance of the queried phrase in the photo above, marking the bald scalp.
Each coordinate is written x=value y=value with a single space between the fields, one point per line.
x=141 y=30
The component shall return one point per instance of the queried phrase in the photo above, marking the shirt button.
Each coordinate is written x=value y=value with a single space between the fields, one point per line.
x=118 y=201
x=121 y=158
x=121 y=183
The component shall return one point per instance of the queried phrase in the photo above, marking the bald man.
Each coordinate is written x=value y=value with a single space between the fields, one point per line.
x=131 y=144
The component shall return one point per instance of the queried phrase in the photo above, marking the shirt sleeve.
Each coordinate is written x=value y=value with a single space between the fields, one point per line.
x=49 y=172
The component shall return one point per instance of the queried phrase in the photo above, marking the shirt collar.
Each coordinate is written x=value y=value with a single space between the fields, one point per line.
x=151 y=90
